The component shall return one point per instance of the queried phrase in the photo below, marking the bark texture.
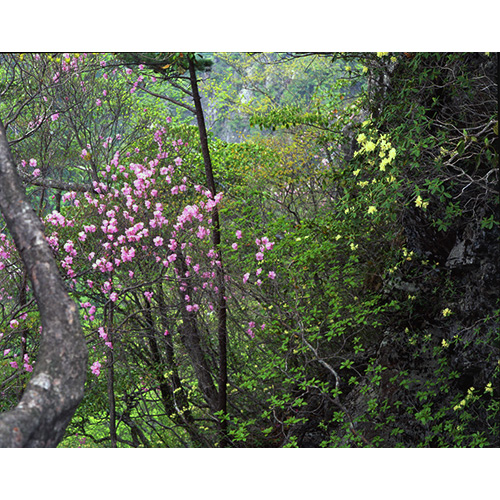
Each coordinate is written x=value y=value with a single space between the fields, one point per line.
x=56 y=387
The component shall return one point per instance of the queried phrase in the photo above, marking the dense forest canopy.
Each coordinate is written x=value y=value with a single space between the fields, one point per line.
x=265 y=249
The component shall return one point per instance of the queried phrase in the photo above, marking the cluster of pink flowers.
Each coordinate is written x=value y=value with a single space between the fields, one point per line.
x=57 y=219
x=96 y=368
x=26 y=364
x=5 y=250
x=264 y=245
x=70 y=63
x=14 y=364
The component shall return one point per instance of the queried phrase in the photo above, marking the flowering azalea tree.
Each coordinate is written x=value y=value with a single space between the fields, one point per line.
x=103 y=242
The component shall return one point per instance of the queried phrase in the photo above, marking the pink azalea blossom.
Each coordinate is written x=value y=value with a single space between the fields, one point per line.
x=202 y=232
x=96 y=368
x=272 y=274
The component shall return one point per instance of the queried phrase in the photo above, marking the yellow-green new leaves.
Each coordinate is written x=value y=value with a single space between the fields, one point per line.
x=385 y=150
x=420 y=203
x=375 y=174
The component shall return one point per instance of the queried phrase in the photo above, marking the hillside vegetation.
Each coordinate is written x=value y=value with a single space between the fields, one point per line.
x=308 y=256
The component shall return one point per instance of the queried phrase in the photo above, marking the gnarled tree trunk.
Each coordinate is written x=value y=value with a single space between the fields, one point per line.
x=56 y=387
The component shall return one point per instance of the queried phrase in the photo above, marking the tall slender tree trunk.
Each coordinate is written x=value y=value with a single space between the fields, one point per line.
x=110 y=362
x=191 y=338
x=216 y=238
